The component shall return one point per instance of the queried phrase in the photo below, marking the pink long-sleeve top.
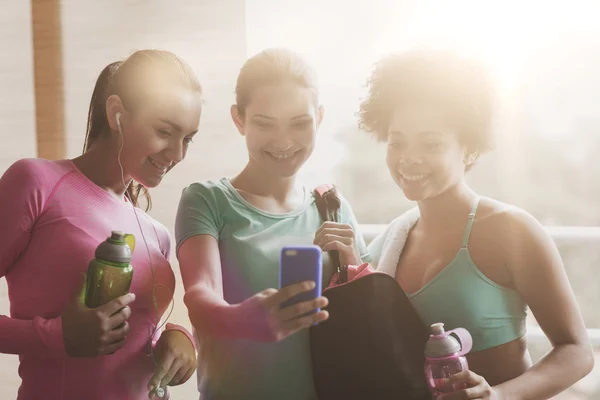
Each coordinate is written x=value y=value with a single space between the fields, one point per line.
x=52 y=218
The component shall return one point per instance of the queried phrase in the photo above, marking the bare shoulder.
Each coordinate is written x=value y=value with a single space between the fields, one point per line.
x=519 y=235
x=507 y=220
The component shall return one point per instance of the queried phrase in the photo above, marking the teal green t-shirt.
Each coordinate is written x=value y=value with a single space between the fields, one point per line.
x=250 y=242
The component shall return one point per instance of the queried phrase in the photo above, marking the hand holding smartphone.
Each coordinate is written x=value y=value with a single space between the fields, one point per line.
x=272 y=315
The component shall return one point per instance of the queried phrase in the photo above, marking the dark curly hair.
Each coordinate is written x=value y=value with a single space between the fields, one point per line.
x=459 y=87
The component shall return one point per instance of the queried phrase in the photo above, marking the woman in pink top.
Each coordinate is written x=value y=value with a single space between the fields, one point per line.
x=143 y=114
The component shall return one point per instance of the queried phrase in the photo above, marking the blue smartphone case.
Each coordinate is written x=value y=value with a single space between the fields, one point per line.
x=298 y=264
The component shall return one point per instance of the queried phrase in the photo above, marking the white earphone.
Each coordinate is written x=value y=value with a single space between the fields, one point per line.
x=157 y=326
x=118 y=117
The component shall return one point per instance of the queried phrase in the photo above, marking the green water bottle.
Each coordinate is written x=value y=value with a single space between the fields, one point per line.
x=110 y=272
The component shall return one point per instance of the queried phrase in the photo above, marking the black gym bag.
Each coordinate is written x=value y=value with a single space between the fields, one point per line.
x=372 y=345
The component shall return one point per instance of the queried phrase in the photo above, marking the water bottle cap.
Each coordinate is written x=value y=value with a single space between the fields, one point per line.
x=115 y=249
x=437 y=329
x=117 y=236
x=443 y=344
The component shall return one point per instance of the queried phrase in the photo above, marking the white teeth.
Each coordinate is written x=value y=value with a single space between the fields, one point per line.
x=157 y=165
x=414 y=177
x=282 y=156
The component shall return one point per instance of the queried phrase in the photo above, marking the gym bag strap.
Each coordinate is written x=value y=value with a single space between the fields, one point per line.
x=329 y=204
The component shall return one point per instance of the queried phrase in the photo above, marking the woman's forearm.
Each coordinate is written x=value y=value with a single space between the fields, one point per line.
x=211 y=315
x=562 y=367
x=39 y=336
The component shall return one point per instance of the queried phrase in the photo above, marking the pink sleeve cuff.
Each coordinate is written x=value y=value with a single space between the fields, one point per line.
x=175 y=327
x=51 y=334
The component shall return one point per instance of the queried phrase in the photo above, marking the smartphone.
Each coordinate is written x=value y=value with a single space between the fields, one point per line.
x=299 y=264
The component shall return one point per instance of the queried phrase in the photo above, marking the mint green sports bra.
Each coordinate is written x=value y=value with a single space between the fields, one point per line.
x=461 y=296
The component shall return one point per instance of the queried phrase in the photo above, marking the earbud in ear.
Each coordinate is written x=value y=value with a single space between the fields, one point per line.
x=118 y=117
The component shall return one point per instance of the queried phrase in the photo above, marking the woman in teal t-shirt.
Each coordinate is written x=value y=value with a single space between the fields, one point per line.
x=230 y=233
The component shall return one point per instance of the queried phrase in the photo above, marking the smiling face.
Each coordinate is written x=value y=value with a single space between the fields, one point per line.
x=424 y=153
x=280 y=125
x=157 y=135
x=434 y=109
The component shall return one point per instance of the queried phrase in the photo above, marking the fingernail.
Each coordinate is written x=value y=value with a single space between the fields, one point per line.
x=150 y=388
x=312 y=285
x=132 y=296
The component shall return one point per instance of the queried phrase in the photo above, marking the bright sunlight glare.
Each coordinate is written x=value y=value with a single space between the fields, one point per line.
x=343 y=40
